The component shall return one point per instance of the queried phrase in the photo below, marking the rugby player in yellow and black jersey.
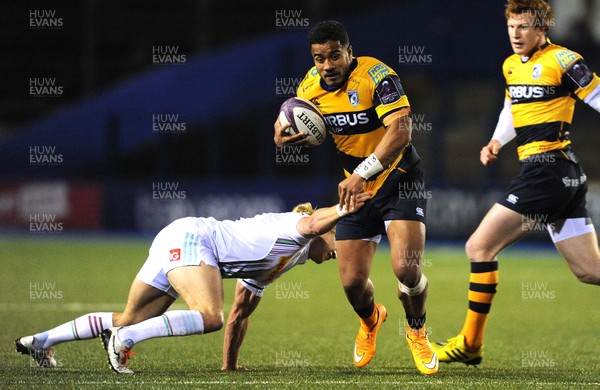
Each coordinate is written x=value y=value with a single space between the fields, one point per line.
x=368 y=116
x=543 y=80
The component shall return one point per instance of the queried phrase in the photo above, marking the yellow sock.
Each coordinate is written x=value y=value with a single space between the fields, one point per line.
x=482 y=288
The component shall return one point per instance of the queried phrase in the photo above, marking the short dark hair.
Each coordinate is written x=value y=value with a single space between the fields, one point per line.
x=328 y=30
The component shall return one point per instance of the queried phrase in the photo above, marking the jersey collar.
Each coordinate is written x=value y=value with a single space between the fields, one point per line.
x=332 y=88
x=524 y=59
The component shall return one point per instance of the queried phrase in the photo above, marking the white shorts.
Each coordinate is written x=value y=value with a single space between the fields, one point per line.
x=569 y=228
x=185 y=242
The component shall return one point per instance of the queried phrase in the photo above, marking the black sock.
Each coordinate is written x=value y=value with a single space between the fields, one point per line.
x=416 y=322
x=366 y=311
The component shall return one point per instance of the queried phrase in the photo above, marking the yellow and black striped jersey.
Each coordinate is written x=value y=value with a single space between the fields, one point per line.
x=541 y=89
x=357 y=112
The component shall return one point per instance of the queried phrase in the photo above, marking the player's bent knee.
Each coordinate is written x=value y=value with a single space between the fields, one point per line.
x=410 y=278
x=472 y=248
x=415 y=290
x=477 y=251
x=213 y=320
x=355 y=283
x=589 y=277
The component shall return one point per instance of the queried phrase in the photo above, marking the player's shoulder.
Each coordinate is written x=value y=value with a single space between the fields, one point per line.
x=372 y=69
x=561 y=56
x=311 y=80
x=551 y=55
x=284 y=219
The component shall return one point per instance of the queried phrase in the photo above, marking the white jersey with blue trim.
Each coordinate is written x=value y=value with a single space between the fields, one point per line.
x=259 y=249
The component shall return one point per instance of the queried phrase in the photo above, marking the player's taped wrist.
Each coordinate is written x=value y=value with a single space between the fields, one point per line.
x=341 y=211
x=368 y=167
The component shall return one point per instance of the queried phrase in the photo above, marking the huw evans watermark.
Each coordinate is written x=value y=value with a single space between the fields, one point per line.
x=168 y=55
x=290 y=359
x=44 y=223
x=45 y=87
x=539 y=291
x=45 y=19
x=168 y=124
x=290 y=290
x=44 y=155
x=44 y=291
x=414 y=55
x=167 y=190
x=291 y=155
x=290 y=19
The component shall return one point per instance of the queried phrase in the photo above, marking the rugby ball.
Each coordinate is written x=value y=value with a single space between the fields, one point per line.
x=305 y=118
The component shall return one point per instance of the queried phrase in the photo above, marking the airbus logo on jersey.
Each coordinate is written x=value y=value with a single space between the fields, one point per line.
x=523 y=92
x=337 y=122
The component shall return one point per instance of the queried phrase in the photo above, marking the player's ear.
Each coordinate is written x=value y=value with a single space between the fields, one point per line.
x=350 y=50
x=541 y=31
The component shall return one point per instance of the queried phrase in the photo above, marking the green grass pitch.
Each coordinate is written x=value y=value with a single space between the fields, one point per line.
x=542 y=332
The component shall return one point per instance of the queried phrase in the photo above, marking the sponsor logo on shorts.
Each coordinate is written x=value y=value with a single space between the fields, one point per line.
x=512 y=198
x=175 y=254
x=420 y=212
x=568 y=182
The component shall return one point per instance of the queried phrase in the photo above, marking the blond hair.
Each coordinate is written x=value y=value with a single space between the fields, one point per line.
x=543 y=15
x=305 y=208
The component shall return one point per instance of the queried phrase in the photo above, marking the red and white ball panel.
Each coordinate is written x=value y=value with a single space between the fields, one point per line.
x=305 y=118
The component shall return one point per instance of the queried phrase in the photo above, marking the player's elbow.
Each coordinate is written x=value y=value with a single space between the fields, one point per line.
x=316 y=227
x=405 y=129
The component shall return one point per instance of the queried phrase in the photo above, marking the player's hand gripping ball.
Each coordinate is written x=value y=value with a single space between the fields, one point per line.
x=305 y=118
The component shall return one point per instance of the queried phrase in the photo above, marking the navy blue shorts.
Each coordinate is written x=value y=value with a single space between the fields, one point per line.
x=549 y=186
x=402 y=197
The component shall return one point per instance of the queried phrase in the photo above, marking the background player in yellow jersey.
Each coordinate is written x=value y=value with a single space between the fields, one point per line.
x=542 y=81
x=368 y=116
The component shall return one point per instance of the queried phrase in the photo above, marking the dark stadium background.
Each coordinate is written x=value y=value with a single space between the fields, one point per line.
x=86 y=155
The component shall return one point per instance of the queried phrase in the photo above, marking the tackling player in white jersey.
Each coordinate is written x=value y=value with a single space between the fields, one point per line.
x=189 y=258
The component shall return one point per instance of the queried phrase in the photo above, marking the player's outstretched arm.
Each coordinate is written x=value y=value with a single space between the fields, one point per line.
x=323 y=220
x=244 y=304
